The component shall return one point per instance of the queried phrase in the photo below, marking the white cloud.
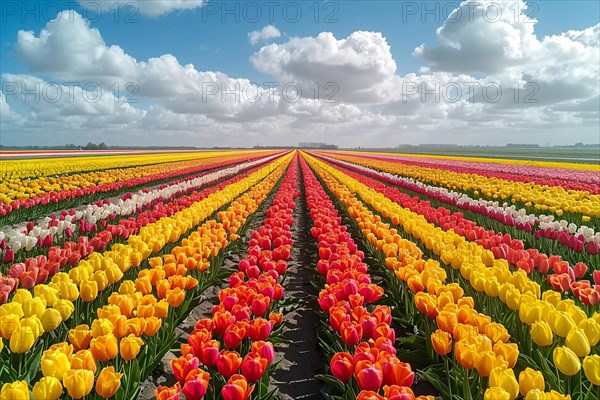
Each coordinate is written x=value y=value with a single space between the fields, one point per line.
x=351 y=93
x=151 y=8
x=266 y=33
x=361 y=65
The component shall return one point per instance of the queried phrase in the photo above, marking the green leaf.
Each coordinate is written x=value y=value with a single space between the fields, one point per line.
x=333 y=382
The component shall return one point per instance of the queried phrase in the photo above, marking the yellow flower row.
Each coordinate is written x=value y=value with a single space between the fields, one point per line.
x=98 y=271
x=38 y=167
x=485 y=273
x=507 y=161
x=134 y=310
x=544 y=198
x=19 y=188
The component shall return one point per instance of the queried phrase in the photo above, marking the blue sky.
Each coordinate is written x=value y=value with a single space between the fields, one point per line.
x=211 y=41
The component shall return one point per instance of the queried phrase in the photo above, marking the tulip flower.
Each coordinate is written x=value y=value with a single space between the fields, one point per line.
x=51 y=319
x=442 y=342
x=228 y=363
x=254 y=366
x=566 y=360
x=80 y=337
x=104 y=347
x=78 y=382
x=15 y=391
x=496 y=393
x=342 y=366
x=108 y=382
x=168 y=393
x=88 y=290
x=530 y=380
x=351 y=333
x=265 y=349
x=505 y=379
x=22 y=339
x=47 y=388
x=236 y=389
x=182 y=367
x=130 y=347
x=591 y=368
x=55 y=363
x=368 y=375
x=541 y=333
x=578 y=342
x=196 y=385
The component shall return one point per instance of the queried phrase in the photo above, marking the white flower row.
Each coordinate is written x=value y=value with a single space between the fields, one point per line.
x=518 y=215
x=17 y=239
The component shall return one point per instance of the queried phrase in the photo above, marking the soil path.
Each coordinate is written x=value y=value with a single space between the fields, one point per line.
x=300 y=357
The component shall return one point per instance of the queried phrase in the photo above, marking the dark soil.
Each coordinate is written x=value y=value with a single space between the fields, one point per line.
x=300 y=357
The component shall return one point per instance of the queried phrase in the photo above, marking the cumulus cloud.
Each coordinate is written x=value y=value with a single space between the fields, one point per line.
x=151 y=8
x=344 y=90
x=266 y=33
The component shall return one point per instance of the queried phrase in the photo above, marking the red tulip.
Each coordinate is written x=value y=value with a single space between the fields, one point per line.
x=236 y=389
x=182 y=366
x=196 y=385
x=342 y=366
x=368 y=375
x=254 y=366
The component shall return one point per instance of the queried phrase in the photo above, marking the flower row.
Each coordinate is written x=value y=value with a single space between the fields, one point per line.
x=536 y=197
x=139 y=306
x=36 y=270
x=514 y=289
x=565 y=277
x=228 y=355
x=367 y=363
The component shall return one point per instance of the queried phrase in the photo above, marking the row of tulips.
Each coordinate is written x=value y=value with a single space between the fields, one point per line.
x=564 y=278
x=36 y=167
x=76 y=189
x=228 y=355
x=141 y=308
x=550 y=311
x=488 y=212
x=569 y=175
x=95 y=277
x=360 y=344
x=479 y=343
x=36 y=270
x=55 y=228
x=534 y=198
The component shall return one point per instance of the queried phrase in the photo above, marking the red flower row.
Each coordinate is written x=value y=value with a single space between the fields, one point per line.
x=348 y=298
x=238 y=322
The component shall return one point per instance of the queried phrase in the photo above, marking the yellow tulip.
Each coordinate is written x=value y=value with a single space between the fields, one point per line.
x=22 y=339
x=15 y=391
x=51 y=319
x=591 y=368
x=108 y=382
x=505 y=379
x=84 y=359
x=566 y=360
x=65 y=308
x=47 y=388
x=35 y=306
x=541 y=333
x=88 y=290
x=591 y=328
x=530 y=380
x=8 y=325
x=577 y=341
x=496 y=393
x=130 y=347
x=78 y=382
x=55 y=363
x=535 y=394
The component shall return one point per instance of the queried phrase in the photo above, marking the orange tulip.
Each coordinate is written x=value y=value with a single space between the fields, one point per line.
x=442 y=342
x=108 y=382
x=104 y=347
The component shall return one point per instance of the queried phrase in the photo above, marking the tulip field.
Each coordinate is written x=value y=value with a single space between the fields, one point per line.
x=285 y=274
